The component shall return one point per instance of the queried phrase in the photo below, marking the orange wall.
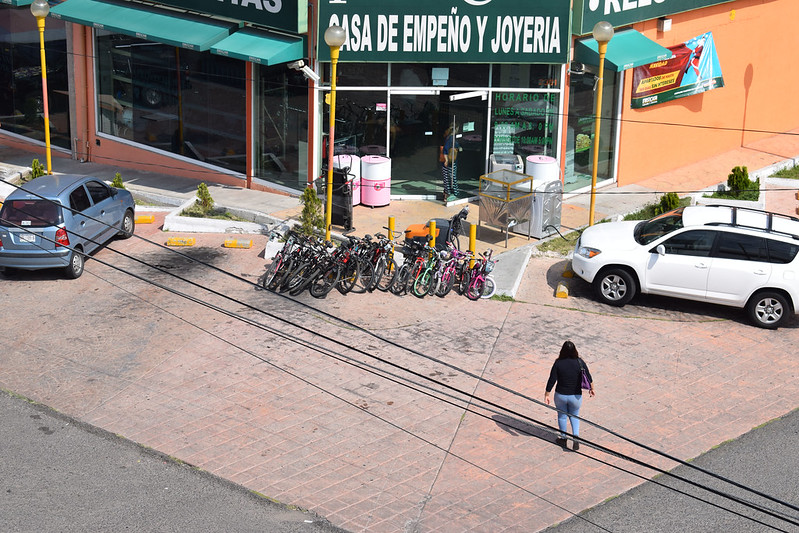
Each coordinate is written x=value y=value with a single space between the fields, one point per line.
x=756 y=42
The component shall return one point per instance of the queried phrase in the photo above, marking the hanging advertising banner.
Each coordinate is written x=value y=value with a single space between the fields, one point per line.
x=693 y=68
x=453 y=31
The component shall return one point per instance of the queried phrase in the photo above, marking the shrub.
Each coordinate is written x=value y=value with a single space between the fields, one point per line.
x=37 y=169
x=311 y=218
x=204 y=197
x=738 y=180
x=117 y=181
x=668 y=202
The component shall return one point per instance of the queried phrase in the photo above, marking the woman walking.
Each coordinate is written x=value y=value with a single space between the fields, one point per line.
x=566 y=372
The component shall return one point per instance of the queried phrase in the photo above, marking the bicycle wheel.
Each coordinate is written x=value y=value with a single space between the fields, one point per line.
x=271 y=272
x=386 y=279
x=422 y=283
x=400 y=285
x=303 y=278
x=475 y=288
x=296 y=277
x=435 y=281
x=287 y=272
x=466 y=279
x=379 y=268
x=446 y=283
x=489 y=287
x=365 y=276
x=324 y=283
x=350 y=273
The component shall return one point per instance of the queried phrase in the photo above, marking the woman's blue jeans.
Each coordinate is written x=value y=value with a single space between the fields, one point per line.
x=568 y=409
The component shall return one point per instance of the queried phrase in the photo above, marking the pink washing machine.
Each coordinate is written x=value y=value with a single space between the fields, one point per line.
x=352 y=162
x=375 y=180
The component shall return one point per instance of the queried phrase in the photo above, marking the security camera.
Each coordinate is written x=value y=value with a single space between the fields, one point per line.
x=576 y=68
x=309 y=73
x=305 y=69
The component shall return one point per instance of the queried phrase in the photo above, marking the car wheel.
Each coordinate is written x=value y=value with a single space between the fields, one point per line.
x=768 y=310
x=75 y=267
x=614 y=287
x=128 y=225
x=152 y=97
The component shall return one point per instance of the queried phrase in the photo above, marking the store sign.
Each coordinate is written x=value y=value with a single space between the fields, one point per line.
x=453 y=31
x=623 y=12
x=289 y=15
x=694 y=68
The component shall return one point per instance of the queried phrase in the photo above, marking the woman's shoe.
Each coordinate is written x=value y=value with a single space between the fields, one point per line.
x=561 y=442
x=576 y=446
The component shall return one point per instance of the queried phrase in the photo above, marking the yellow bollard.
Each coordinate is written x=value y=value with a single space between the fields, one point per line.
x=391 y=228
x=562 y=291
x=238 y=243
x=144 y=219
x=180 y=241
x=433 y=233
x=472 y=243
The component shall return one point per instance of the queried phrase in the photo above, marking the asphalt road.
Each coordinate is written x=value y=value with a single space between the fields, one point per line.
x=765 y=459
x=61 y=475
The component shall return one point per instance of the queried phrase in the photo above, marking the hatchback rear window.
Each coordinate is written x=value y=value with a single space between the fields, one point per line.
x=30 y=213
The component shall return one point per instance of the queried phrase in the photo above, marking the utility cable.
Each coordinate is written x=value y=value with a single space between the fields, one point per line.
x=418 y=375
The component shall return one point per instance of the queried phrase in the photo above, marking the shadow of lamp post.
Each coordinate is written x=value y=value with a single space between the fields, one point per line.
x=603 y=33
x=40 y=9
x=334 y=37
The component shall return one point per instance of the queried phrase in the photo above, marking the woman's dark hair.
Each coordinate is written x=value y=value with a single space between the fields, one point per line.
x=568 y=351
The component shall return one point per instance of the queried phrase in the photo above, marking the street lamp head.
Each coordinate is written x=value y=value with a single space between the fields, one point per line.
x=603 y=31
x=40 y=8
x=334 y=36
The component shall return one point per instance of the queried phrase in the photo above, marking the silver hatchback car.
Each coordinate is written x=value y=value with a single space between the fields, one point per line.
x=55 y=221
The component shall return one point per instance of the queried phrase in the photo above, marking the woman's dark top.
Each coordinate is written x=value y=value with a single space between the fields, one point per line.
x=567 y=373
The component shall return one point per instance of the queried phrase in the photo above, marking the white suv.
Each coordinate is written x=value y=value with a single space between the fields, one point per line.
x=727 y=255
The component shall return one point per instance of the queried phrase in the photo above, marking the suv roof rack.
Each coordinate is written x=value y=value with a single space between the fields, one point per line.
x=770 y=216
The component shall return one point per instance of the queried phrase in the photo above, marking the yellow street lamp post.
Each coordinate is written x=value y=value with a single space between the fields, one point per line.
x=603 y=33
x=40 y=9
x=334 y=37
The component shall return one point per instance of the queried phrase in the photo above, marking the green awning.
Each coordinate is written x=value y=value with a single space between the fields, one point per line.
x=137 y=20
x=262 y=47
x=627 y=49
x=16 y=3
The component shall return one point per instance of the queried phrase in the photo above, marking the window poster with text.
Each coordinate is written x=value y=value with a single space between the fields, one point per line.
x=694 y=68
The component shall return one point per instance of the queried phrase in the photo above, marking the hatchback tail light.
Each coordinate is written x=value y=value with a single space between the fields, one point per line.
x=61 y=237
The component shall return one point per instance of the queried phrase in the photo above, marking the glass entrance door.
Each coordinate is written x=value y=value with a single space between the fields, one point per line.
x=419 y=122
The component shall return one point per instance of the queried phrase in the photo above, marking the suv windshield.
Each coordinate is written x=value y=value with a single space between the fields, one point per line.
x=661 y=225
x=30 y=213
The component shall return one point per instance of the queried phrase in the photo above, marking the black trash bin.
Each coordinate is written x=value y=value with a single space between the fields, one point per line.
x=341 y=211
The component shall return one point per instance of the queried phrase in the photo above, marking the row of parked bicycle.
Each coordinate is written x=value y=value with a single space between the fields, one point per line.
x=363 y=264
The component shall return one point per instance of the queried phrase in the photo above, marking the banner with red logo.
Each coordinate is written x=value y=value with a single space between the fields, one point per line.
x=693 y=68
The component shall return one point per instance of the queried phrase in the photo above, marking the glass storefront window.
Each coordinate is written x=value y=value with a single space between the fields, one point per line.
x=525 y=123
x=281 y=103
x=361 y=120
x=537 y=76
x=580 y=129
x=359 y=74
x=182 y=101
x=438 y=75
x=22 y=103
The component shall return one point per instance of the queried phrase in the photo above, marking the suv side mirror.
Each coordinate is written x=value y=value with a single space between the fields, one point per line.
x=661 y=250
